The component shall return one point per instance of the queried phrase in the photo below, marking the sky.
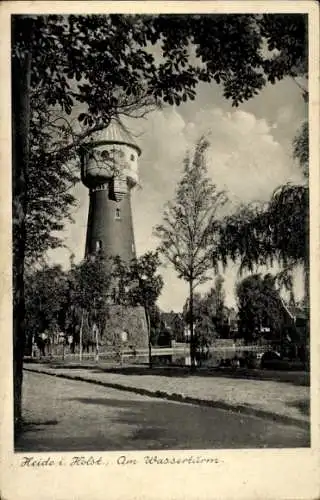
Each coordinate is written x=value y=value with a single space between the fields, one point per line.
x=250 y=155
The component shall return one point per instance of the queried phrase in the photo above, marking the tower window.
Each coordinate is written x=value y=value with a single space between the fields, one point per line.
x=132 y=157
x=98 y=246
x=105 y=154
x=117 y=215
x=124 y=336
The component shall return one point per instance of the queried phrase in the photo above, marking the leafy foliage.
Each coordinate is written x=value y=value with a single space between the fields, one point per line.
x=155 y=324
x=286 y=36
x=57 y=299
x=50 y=178
x=278 y=231
x=174 y=323
x=301 y=148
x=91 y=281
x=188 y=233
x=138 y=282
x=208 y=313
x=226 y=50
x=99 y=59
x=146 y=284
x=259 y=306
x=230 y=49
x=46 y=296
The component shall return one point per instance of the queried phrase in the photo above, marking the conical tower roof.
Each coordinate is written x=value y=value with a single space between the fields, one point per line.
x=115 y=133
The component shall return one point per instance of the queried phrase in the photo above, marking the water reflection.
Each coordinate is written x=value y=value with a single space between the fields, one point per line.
x=184 y=360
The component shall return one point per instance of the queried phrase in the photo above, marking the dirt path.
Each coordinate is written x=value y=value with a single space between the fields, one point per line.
x=67 y=415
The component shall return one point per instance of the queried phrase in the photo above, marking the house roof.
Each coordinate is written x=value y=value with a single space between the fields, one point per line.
x=294 y=311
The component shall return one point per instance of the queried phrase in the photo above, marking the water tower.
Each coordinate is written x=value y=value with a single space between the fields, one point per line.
x=110 y=171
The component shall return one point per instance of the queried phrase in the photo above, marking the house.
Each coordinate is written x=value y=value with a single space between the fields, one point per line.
x=296 y=323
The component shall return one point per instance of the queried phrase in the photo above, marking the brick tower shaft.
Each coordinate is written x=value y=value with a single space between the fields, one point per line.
x=110 y=226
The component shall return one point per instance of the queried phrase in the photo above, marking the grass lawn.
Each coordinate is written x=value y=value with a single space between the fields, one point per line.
x=286 y=399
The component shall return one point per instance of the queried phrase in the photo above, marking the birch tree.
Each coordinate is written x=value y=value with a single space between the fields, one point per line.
x=188 y=232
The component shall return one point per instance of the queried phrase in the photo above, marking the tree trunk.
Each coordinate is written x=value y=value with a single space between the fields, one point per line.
x=306 y=273
x=97 y=343
x=21 y=71
x=192 y=344
x=80 y=340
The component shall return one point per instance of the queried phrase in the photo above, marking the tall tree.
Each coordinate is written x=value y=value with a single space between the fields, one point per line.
x=275 y=232
x=187 y=234
x=263 y=234
x=259 y=306
x=21 y=72
x=145 y=287
x=46 y=291
x=92 y=279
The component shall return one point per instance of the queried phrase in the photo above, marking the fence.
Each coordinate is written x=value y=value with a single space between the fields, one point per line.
x=177 y=353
